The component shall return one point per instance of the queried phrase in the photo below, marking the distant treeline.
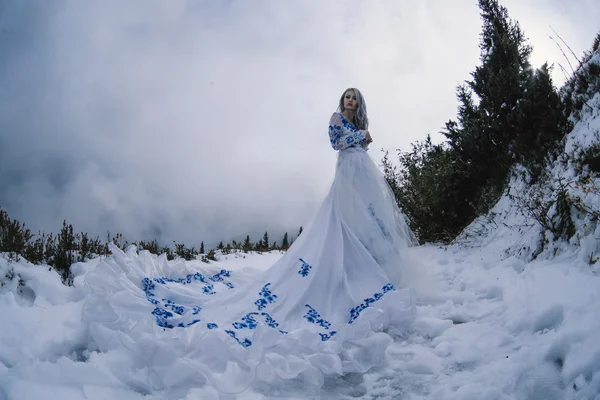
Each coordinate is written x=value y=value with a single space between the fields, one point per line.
x=67 y=247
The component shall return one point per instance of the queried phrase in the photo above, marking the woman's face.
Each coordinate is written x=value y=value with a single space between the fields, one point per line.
x=350 y=102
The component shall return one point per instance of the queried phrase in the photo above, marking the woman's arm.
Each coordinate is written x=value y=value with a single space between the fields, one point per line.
x=343 y=135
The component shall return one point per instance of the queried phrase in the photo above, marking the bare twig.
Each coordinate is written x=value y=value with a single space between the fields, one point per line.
x=568 y=47
x=563 y=53
x=563 y=71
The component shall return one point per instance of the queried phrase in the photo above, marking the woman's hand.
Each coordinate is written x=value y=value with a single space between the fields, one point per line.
x=368 y=138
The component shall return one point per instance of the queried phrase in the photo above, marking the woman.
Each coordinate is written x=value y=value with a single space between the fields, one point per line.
x=320 y=309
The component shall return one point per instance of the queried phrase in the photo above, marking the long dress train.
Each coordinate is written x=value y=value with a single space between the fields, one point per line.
x=329 y=305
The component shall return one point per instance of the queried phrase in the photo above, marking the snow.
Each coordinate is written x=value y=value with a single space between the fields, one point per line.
x=488 y=326
x=503 y=313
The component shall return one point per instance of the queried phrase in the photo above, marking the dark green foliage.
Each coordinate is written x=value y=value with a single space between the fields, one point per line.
x=84 y=247
x=152 y=246
x=247 y=246
x=562 y=224
x=50 y=248
x=185 y=252
x=559 y=222
x=65 y=252
x=34 y=251
x=66 y=248
x=426 y=188
x=168 y=252
x=284 y=242
x=14 y=236
x=211 y=256
x=508 y=113
x=541 y=122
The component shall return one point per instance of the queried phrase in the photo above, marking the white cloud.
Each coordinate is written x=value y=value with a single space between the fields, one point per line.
x=199 y=120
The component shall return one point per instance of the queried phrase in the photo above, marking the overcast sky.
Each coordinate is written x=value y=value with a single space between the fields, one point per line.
x=206 y=120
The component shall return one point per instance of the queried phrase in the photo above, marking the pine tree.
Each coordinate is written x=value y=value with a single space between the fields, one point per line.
x=507 y=114
x=202 y=247
x=483 y=138
x=84 y=247
x=247 y=246
x=284 y=242
x=541 y=122
x=265 y=242
x=299 y=231
x=487 y=127
x=65 y=248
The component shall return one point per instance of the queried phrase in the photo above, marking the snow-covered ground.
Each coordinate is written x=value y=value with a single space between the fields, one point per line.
x=488 y=327
x=491 y=324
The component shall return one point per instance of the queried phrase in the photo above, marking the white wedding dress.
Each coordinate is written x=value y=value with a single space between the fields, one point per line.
x=330 y=305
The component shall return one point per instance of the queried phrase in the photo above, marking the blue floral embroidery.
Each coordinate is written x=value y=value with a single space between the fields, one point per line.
x=355 y=311
x=167 y=309
x=208 y=289
x=343 y=134
x=266 y=297
x=270 y=321
x=212 y=325
x=184 y=325
x=313 y=316
x=161 y=316
x=379 y=222
x=219 y=278
x=177 y=309
x=305 y=268
x=326 y=336
x=148 y=286
x=248 y=321
x=244 y=343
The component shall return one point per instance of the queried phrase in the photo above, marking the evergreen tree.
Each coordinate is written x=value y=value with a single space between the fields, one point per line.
x=487 y=126
x=284 y=242
x=50 y=248
x=247 y=246
x=299 y=231
x=541 y=122
x=265 y=242
x=84 y=247
x=211 y=256
x=65 y=248
x=202 y=247
x=507 y=113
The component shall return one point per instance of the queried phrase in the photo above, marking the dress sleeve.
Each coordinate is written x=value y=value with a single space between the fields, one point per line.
x=342 y=134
